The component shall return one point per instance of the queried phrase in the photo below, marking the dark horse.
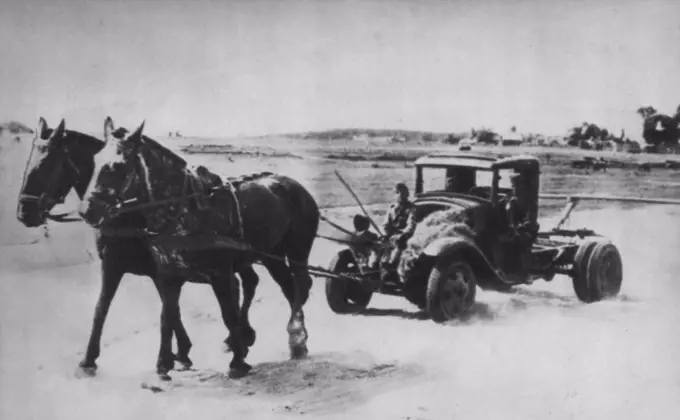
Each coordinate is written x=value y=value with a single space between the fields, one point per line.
x=63 y=159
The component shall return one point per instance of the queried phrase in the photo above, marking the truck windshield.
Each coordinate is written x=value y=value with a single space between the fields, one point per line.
x=435 y=178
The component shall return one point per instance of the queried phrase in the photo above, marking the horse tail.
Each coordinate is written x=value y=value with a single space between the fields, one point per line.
x=304 y=225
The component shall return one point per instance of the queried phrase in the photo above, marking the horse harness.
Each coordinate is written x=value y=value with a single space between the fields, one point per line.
x=201 y=194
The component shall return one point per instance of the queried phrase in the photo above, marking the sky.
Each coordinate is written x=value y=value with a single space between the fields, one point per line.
x=228 y=68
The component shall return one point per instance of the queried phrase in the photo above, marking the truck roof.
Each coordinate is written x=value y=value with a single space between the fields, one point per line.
x=478 y=161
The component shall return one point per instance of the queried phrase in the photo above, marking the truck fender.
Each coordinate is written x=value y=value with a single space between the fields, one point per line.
x=467 y=249
x=450 y=244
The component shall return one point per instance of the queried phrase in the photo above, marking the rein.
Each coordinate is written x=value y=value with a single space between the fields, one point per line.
x=44 y=201
x=128 y=206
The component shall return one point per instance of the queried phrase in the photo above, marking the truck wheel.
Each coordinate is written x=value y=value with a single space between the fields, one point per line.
x=598 y=271
x=451 y=290
x=580 y=270
x=345 y=296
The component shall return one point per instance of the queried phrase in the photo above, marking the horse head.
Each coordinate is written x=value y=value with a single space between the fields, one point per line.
x=60 y=160
x=131 y=171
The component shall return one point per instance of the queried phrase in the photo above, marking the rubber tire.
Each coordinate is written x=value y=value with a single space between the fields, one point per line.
x=343 y=296
x=580 y=270
x=437 y=280
x=589 y=284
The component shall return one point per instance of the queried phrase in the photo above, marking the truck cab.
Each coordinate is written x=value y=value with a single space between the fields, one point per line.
x=478 y=185
x=475 y=183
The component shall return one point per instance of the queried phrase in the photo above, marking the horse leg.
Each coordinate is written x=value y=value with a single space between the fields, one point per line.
x=297 y=333
x=224 y=292
x=236 y=290
x=111 y=277
x=281 y=275
x=250 y=280
x=170 y=288
x=183 y=341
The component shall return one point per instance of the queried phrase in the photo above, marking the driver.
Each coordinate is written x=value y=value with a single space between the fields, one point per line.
x=518 y=202
x=518 y=216
x=460 y=180
x=400 y=222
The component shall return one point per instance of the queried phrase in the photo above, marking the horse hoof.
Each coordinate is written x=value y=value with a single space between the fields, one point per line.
x=298 y=352
x=185 y=363
x=166 y=364
x=185 y=366
x=86 y=369
x=239 y=371
x=86 y=372
x=163 y=376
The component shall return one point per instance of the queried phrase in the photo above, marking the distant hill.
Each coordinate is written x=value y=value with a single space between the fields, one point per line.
x=15 y=127
x=350 y=133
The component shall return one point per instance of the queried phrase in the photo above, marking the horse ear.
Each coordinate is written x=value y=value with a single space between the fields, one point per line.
x=108 y=129
x=59 y=131
x=42 y=128
x=137 y=134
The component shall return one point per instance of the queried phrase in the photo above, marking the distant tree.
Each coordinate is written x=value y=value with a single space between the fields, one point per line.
x=579 y=136
x=659 y=129
x=451 y=139
x=486 y=136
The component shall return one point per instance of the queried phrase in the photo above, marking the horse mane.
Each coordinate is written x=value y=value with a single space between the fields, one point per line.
x=236 y=181
x=176 y=159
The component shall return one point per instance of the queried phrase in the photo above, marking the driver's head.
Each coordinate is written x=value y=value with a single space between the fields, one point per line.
x=451 y=183
x=361 y=222
x=401 y=190
x=460 y=179
x=519 y=182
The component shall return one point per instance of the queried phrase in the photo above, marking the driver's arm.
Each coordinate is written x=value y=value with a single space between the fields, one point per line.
x=387 y=223
x=511 y=209
x=410 y=223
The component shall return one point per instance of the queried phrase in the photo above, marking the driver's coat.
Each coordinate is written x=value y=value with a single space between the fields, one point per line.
x=400 y=218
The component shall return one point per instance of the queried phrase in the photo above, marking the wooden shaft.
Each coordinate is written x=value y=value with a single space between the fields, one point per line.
x=359 y=202
x=595 y=197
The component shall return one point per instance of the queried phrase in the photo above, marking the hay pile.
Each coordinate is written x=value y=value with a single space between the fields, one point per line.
x=436 y=225
x=440 y=224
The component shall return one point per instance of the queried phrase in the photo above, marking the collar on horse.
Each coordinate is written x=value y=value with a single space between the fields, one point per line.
x=201 y=186
x=200 y=192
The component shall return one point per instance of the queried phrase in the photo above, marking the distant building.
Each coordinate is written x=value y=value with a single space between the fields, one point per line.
x=511 y=138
